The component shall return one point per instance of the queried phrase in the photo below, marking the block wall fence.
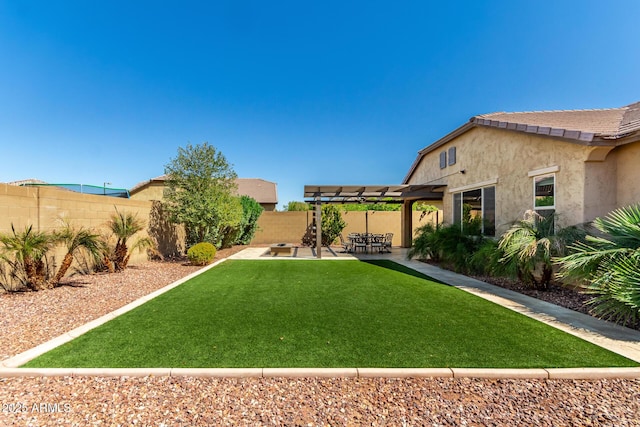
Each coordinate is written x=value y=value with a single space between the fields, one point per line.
x=43 y=207
x=289 y=227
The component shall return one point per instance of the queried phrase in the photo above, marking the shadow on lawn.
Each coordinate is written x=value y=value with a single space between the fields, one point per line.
x=391 y=265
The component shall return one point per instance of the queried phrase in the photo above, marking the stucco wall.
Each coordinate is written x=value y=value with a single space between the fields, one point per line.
x=152 y=191
x=628 y=179
x=491 y=154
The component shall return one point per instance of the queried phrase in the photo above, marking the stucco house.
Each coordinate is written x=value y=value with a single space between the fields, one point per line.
x=580 y=164
x=264 y=192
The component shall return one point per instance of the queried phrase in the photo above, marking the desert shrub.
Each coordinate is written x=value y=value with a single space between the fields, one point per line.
x=201 y=253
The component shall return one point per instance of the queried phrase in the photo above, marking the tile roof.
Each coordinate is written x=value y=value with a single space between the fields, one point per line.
x=582 y=125
x=605 y=127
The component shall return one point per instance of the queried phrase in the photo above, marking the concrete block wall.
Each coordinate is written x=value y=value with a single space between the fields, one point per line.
x=44 y=207
x=290 y=227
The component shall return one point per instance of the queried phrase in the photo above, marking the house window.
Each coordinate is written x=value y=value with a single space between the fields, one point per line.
x=544 y=190
x=474 y=204
x=452 y=156
x=443 y=160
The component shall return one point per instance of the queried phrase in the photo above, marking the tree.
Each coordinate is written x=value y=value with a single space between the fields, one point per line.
x=124 y=226
x=200 y=194
x=75 y=239
x=610 y=263
x=297 y=206
x=332 y=224
x=251 y=211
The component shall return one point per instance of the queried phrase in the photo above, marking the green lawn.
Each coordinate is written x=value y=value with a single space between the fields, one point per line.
x=323 y=314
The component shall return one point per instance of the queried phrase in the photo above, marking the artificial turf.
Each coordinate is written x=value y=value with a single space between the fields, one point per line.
x=283 y=313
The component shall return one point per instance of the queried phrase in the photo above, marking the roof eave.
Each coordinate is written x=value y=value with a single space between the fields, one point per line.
x=439 y=143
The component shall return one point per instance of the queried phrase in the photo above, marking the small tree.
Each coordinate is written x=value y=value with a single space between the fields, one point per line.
x=124 y=226
x=297 y=206
x=251 y=211
x=200 y=194
x=332 y=224
x=75 y=239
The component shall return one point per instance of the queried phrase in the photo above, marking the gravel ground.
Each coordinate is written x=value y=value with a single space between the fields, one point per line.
x=29 y=319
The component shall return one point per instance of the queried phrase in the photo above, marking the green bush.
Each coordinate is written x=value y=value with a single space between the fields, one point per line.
x=530 y=244
x=251 y=211
x=609 y=261
x=451 y=245
x=332 y=224
x=201 y=253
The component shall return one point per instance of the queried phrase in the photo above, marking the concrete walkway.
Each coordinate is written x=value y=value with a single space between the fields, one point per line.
x=616 y=338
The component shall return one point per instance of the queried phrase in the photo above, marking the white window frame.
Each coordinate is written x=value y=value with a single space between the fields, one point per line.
x=555 y=192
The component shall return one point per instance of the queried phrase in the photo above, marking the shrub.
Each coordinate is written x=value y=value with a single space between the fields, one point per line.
x=451 y=245
x=26 y=254
x=610 y=263
x=251 y=211
x=530 y=244
x=201 y=253
x=332 y=224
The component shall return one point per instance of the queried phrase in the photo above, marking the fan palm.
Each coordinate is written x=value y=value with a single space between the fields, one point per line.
x=75 y=240
x=531 y=243
x=125 y=225
x=29 y=248
x=610 y=263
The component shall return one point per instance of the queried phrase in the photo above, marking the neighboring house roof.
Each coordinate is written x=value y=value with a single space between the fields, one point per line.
x=259 y=189
x=606 y=127
x=26 y=181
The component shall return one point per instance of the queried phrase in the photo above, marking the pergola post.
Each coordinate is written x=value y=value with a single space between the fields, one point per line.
x=406 y=226
x=318 y=228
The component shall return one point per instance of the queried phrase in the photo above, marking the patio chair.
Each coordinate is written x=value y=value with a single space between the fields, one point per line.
x=347 y=245
x=386 y=245
x=377 y=242
x=359 y=241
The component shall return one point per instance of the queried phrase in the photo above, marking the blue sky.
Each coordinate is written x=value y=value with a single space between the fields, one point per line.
x=296 y=92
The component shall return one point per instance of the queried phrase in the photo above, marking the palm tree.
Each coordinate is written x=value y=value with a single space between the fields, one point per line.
x=610 y=263
x=29 y=249
x=75 y=240
x=531 y=243
x=124 y=226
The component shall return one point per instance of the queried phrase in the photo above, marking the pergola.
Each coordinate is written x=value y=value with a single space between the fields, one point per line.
x=405 y=194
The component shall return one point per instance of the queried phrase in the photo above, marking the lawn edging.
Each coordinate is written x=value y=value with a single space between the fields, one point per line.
x=26 y=356
x=482 y=373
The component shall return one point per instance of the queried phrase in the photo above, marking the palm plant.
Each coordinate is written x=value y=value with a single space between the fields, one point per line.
x=26 y=251
x=124 y=225
x=530 y=245
x=610 y=263
x=75 y=239
x=450 y=245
